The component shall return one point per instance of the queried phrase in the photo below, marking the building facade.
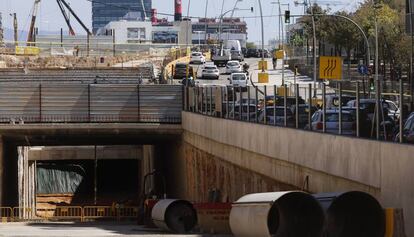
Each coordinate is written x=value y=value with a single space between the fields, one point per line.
x=106 y=11
x=231 y=29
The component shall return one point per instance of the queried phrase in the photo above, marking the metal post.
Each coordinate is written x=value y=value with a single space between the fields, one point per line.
x=234 y=102
x=248 y=103
x=256 y=102
x=340 y=109
x=285 y=104
x=357 y=110
x=202 y=100
x=211 y=101
x=40 y=103
x=185 y=98
x=206 y=23
x=228 y=103
x=261 y=17
x=265 y=105
x=87 y=45
x=401 y=111
x=89 y=102
x=240 y=103
x=324 y=108
x=197 y=93
x=297 y=105
x=95 y=183
x=274 y=104
x=377 y=109
x=310 y=107
x=113 y=43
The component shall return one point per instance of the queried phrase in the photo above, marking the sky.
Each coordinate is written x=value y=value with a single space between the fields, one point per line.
x=50 y=18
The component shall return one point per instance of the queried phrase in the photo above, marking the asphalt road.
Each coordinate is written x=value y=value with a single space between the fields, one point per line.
x=81 y=230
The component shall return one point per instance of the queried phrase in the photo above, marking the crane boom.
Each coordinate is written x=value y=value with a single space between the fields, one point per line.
x=76 y=16
x=65 y=15
x=33 y=22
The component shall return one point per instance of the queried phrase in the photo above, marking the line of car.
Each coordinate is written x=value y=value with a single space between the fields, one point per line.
x=274 y=114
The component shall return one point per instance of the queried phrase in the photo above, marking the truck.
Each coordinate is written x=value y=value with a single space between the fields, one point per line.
x=221 y=57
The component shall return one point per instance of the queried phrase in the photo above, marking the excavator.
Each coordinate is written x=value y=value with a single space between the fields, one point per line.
x=62 y=5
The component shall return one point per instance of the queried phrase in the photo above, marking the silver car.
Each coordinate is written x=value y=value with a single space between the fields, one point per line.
x=332 y=122
x=210 y=71
x=233 y=67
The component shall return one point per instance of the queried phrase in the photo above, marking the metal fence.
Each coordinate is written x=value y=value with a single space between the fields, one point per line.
x=64 y=213
x=91 y=103
x=358 y=111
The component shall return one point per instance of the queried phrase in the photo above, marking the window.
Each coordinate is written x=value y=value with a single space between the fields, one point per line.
x=239 y=77
x=136 y=33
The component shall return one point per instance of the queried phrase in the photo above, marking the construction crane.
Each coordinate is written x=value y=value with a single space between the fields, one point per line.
x=66 y=16
x=62 y=4
x=35 y=9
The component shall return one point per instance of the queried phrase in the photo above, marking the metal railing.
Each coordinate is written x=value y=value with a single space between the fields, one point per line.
x=353 y=111
x=64 y=213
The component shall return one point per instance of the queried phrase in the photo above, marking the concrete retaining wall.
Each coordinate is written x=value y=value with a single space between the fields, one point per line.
x=332 y=163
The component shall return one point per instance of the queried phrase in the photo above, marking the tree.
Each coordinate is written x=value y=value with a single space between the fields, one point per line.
x=250 y=45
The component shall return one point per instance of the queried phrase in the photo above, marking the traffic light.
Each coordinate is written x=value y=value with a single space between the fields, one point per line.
x=371 y=84
x=287 y=17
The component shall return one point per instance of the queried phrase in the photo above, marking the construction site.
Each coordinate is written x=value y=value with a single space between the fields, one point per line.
x=111 y=129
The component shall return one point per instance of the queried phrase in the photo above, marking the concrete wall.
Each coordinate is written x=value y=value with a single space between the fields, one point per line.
x=332 y=163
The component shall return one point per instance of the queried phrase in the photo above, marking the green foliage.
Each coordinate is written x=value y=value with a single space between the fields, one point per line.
x=250 y=45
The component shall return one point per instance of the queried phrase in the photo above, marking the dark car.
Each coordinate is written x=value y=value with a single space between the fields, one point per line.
x=252 y=53
x=408 y=130
x=303 y=113
x=266 y=53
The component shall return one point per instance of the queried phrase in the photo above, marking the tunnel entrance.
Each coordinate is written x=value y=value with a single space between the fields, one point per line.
x=72 y=182
x=82 y=176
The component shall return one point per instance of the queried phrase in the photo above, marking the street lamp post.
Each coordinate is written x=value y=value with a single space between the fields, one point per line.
x=206 y=23
x=261 y=17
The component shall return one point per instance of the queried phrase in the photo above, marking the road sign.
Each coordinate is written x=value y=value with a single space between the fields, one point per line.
x=330 y=68
x=363 y=70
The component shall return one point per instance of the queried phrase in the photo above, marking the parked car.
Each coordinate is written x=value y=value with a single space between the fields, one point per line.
x=247 y=111
x=266 y=53
x=392 y=109
x=280 y=116
x=280 y=101
x=233 y=66
x=239 y=80
x=332 y=101
x=408 y=130
x=303 y=113
x=197 y=57
x=210 y=71
x=332 y=122
x=252 y=53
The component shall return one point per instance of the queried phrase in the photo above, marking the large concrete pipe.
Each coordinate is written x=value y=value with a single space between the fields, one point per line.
x=355 y=214
x=176 y=216
x=293 y=214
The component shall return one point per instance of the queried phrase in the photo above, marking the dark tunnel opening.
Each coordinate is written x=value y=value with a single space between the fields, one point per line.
x=296 y=214
x=355 y=214
x=72 y=182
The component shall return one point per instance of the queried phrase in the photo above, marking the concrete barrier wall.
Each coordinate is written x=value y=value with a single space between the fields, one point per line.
x=331 y=163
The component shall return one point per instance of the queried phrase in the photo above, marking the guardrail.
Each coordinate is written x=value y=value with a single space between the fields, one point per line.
x=370 y=116
x=63 y=213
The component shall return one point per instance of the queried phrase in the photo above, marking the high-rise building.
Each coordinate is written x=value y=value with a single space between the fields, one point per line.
x=105 y=11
